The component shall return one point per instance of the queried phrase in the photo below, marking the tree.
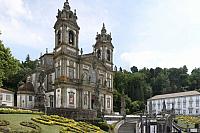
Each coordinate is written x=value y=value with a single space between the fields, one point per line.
x=8 y=64
x=26 y=68
x=195 y=79
x=29 y=63
x=134 y=69
x=27 y=58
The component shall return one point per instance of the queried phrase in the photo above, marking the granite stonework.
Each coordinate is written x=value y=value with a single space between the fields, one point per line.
x=74 y=81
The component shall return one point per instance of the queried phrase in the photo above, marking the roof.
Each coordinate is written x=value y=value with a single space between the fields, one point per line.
x=5 y=91
x=27 y=87
x=171 y=95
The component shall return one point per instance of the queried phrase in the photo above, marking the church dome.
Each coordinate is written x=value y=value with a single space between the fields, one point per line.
x=26 y=87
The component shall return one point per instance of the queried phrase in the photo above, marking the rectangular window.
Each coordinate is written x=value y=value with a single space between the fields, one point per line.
x=179 y=104
x=190 y=111
x=158 y=105
x=184 y=99
x=30 y=98
x=8 y=97
x=102 y=101
x=1 y=97
x=71 y=97
x=197 y=103
x=190 y=104
x=197 y=111
x=168 y=105
x=154 y=105
x=58 y=72
x=184 y=112
x=101 y=81
x=51 y=101
x=184 y=104
x=108 y=102
x=109 y=81
x=50 y=78
x=71 y=73
x=179 y=112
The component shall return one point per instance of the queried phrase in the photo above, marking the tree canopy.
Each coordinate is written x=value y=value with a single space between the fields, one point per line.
x=8 y=64
x=139 y=85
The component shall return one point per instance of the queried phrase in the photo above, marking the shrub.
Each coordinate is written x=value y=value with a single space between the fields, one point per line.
x=68 y=125
x=4 y=123
x=37 y=129
x=5 y=129
x=42 y=121
x=104 y=126
x=17 y=111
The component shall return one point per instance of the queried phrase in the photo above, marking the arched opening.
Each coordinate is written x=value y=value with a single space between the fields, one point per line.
x=108 y=55
x=85 y=76
x=99 y=53
x=59 y=37
x=71 y=37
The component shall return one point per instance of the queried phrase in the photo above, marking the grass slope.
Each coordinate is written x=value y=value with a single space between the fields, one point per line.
x=15 y=120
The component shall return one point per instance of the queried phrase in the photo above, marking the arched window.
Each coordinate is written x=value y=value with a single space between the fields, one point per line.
x=71 y=37
x=99 y=53
x=85 y=76
x=108 y=55
x=59 y=37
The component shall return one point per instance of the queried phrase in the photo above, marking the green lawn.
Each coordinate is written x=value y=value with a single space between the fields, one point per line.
x=15 y=120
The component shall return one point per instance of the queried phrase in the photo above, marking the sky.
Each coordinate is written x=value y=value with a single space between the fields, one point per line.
x=146 y=33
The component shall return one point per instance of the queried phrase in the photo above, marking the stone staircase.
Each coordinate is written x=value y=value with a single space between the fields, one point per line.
x=127 y=128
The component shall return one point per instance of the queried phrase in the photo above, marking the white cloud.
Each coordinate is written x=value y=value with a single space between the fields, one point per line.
x=16 y=8
x=17 y=27
x=152 y=59
x=90 y=20
x=166 y=35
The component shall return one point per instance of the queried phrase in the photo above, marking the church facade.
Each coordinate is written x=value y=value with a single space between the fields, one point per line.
x=74 y=80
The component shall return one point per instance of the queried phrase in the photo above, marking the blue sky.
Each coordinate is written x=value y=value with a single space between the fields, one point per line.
x=146 y=33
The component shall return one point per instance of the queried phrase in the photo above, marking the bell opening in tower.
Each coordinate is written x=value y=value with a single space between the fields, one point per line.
x=71 y=37
x=108 y=55
x=99 y=53
x=59 y=37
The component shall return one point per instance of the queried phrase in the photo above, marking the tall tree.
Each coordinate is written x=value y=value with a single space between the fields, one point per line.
x=195 y=79
x=8 y=64
x=134 y=69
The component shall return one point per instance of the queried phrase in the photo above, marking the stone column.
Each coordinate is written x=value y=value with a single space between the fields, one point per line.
x=81 y=98
x=62 y=97
x=55 y=97
x=89 y=99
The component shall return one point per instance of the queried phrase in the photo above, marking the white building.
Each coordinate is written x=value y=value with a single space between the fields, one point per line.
x=186 y=103
x=6 y=97
x=26 y=95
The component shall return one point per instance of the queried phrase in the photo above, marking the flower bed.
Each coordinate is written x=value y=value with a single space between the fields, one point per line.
x=17 y=111
x=36 y=128
x=4 y=123
x=68 y=125
x=187 y=121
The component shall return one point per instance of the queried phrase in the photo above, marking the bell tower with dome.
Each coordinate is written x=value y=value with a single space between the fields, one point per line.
x=66 y=55
x=66 y=30
x=104 y=47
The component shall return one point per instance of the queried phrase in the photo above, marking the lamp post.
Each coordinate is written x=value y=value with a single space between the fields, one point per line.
x=141 y=125
x=188 y=129
x=147 y=121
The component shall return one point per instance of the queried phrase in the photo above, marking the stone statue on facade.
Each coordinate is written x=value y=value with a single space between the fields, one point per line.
x=40 y=95
x=97 y=102
x=123 y=104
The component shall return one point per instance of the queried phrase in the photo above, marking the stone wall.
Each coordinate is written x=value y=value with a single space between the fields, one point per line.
x=77 y=114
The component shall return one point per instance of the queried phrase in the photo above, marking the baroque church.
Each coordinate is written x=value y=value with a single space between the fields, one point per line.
x=67 y=78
